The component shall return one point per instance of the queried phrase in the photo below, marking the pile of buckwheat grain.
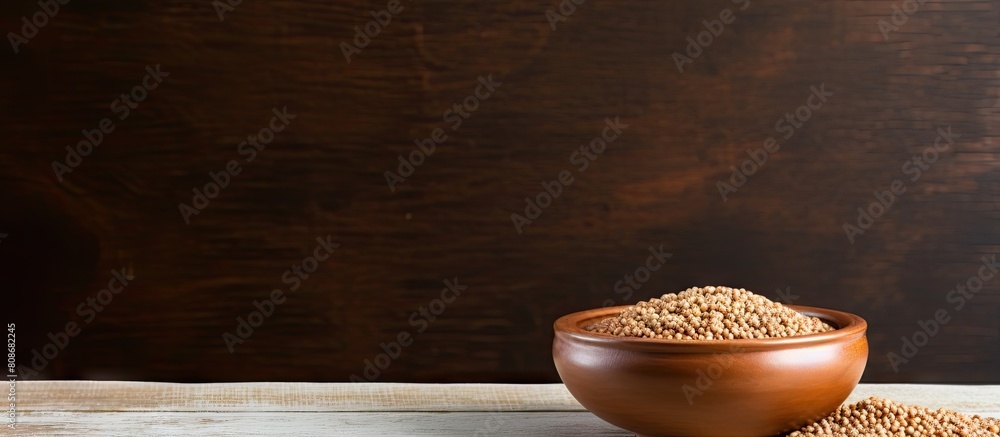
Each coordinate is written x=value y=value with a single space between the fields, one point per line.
x=882 y=417
x=709 y=313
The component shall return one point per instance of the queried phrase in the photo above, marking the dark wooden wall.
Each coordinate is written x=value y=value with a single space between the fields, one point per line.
x=656 y=184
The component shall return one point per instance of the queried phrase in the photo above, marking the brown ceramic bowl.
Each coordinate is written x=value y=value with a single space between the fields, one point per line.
x=758 y=387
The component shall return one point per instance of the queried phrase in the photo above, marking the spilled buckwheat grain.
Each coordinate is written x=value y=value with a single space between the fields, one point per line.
x=709 y=313
x=882 y=417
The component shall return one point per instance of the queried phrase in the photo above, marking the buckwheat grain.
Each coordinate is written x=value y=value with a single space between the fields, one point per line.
x=709 y=313
x=882 y=417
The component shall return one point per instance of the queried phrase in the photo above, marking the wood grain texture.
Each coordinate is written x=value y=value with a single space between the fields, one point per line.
x=323 y=175
x=59 y=408
x=319 y=424
x=283 y=396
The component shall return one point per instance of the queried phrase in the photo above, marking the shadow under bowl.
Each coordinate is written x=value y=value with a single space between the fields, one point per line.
x=717 y=388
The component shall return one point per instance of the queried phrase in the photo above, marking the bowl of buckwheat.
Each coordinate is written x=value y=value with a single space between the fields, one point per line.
x=710 y=361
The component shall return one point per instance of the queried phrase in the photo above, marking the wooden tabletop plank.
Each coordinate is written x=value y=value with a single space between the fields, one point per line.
x=305 y=397
x=65 y=408
x=284 y=397
x=325 y=424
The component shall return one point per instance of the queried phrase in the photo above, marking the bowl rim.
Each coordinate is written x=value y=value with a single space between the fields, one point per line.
x=849 y=327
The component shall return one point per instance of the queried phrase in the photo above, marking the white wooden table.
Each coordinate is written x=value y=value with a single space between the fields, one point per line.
x=86 y=408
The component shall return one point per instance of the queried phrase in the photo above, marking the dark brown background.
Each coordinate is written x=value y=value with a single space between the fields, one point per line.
x=324 y=175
